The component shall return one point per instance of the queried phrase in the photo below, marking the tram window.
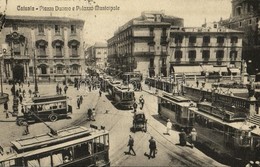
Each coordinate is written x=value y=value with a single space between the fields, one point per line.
x=33 y=163
x=99 y=144
x=8 y=163
x=57 y=159
x=81 y=150
x=45 y=161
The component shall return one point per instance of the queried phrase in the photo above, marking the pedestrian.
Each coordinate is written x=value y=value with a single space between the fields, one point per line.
x=20 y=90
x=28 y=83
x=78 y=103
x=100 y=92
x=22 y=110
x=26 y=131
x=81 y=99
x=60 y=90
x=193 y=136
x=30 y=92
x=141 y=100
x=93 y=114
x=5 y=106
x=168 y=127
x=152 y=147
x=182 y=138
x=23 y=93
x=57 y=88
x=89 y=87
x=89 y=114
x=65 y=89
x=135 y=107
x=197 y=83
x=21 y=98
x=130 y=145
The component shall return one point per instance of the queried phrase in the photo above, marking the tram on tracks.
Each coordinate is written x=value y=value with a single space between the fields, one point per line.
x=45 y=108
x=176 y=108
x=134 y=78
x=111 y=87
x=124 y=96
x=73 y=146
x=227 y=133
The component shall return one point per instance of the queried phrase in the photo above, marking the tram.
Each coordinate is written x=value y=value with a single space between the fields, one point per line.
x=111 y=87
x=45 y=108
x=177 y=109
x=134 y=78
x=124 y=96
x=227 y=133
x=74 y=146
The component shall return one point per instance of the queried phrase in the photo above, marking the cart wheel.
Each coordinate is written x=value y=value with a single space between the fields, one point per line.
x=53 y=117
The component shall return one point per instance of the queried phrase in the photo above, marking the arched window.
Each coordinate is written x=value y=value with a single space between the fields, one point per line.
x=43 y=69
x=74 y=45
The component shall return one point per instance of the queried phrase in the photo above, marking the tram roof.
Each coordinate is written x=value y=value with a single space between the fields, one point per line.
x=93 y=135
x=175 y=98
x=48 y=98
x=49 y=139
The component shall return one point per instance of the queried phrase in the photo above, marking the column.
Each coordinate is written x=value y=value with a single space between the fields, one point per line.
x=49 y=38
x=66 y=48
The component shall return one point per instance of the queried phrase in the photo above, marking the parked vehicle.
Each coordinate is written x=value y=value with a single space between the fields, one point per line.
x=139 y=122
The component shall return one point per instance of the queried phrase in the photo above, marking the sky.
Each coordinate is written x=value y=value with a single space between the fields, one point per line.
x=101 y=25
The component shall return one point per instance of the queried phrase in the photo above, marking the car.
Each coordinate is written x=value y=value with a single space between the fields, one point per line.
x=139 y=122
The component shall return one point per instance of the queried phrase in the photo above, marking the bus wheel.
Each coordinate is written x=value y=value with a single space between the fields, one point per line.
x=53 y=117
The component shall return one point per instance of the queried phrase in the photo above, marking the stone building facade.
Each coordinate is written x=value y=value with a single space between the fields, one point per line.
x=245 y=17
x=207 y=49
x=51 y=45
x=97 y=55
x=141 y=44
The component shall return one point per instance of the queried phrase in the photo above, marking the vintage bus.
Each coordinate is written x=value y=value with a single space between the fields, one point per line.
x=176 y=108
x=49 y=108
x=124 y=96
x=74 y=146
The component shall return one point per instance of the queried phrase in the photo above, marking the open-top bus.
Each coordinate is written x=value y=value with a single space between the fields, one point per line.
x=45 y=108
x=74 y=146
x=176 y=108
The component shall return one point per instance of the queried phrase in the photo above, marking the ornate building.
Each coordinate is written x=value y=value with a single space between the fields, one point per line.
x=52 y=45
x=141 y=45
x=245 y=17
x=204 y=49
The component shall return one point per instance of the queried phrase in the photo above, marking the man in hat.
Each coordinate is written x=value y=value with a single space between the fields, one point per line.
x=130 y=145
x=168 y=126
x=152 y=147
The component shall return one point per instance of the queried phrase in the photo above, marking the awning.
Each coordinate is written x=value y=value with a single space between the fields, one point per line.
x=234 y=70
x=211 y=68
x=187 y=70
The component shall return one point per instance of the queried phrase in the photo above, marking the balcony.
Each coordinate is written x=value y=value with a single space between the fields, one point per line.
x=178 y=60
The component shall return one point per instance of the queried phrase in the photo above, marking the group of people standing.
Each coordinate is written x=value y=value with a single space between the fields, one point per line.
x=141 y=103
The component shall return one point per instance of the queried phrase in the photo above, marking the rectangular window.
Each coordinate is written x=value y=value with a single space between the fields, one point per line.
x=205 y=54
x=15 y=27
x=58 y=50
x=192 y=54
x=233 y=55
x=192 y=39
x=220 y=40
x=151 y=62
x=73 y=29
x=234 y=39
x=75 y=70
x=206 y=39
x=74 y=50
x=178 y=39
x=220 y=54
x=57 y=29
x=164 y=32
x=178 y=54
x=151 y=32
x=42 y=50
x=41 y=29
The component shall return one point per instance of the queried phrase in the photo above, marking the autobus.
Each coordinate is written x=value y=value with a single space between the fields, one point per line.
x=124 y=96
x=73 y=146
x=176 y=108
x=45 y=108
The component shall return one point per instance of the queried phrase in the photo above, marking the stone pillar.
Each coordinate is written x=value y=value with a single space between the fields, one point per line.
x=49 y=38
x=66 y=48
